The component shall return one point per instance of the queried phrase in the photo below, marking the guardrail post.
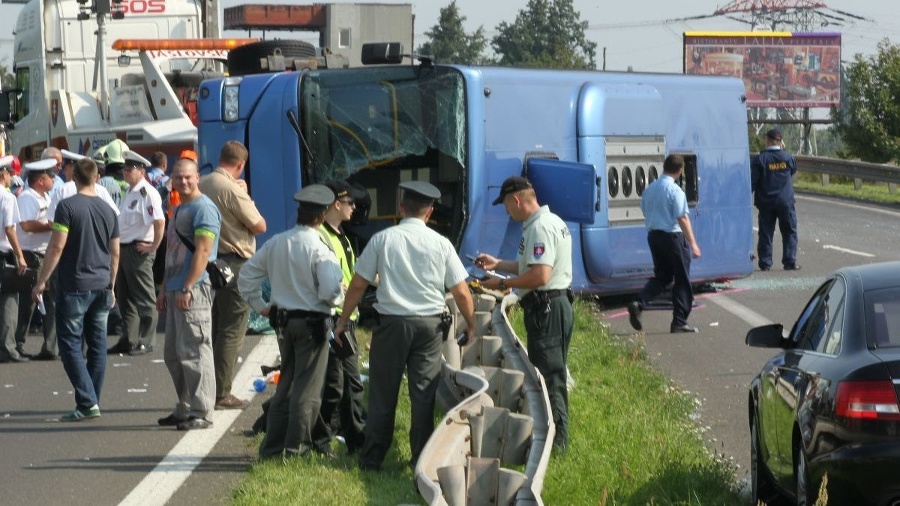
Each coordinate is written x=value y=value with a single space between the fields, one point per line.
x=892 y=188
x=857 y=183
x=826 y=178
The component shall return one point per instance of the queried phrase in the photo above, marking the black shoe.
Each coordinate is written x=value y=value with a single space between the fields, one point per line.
x=634 y=315
x=21 y=351
x=141 y=349
x=765 y=267
x=193 y=423
x=683 y=329
x=44 y=355
x=16 y=359
x=326 y=451
x=170 y=421
x=794 y=267
x=119 y=348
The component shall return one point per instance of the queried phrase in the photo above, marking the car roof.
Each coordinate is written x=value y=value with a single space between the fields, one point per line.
x=873 y=276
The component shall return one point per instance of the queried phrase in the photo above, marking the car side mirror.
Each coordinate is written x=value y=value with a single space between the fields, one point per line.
x=767 y=336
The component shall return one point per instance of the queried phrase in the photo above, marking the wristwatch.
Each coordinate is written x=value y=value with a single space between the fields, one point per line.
x=502 y=284
x=185 y=289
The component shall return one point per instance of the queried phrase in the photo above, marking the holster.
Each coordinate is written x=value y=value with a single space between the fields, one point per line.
x=446 y=323
x=277 y=318
x=322 y=328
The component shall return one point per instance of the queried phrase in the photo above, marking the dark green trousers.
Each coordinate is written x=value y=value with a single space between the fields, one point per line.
x=342 y=409
x=401 y=343
x=230 y=314
x=549 y=334
x=295 y=406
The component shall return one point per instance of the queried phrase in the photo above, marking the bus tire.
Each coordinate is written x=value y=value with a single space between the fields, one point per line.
x=245 y=60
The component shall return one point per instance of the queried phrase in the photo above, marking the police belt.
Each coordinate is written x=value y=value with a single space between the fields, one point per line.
x=535 y=297
x=292 y=314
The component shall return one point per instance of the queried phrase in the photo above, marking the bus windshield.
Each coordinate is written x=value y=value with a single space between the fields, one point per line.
x=381 y=117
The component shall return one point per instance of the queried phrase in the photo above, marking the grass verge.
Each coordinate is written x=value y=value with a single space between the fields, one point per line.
x=632 y=441
x=843 y=187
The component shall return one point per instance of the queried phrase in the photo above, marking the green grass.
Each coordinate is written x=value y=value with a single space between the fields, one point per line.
x=631 y=442
x=843 y=187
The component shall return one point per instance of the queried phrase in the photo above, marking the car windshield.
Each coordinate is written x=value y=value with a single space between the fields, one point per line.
x=883 y=317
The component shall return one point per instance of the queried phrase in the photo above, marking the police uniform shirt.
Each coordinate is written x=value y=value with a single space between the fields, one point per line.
x=9 y=216
x=772 y=173
x=67 y=190
x=663 y=203
x=546 y=240
x=416 y=266
x=33 y=207
x=302 y=271
x=140 y=207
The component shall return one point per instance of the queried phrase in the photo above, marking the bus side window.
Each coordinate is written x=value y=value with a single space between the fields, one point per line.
x=690 y=181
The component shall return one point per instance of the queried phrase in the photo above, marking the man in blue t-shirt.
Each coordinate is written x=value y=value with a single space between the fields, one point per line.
x=86 y=237
x=191 y=243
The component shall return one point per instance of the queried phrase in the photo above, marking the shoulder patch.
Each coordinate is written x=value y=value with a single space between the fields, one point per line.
x=538 y=250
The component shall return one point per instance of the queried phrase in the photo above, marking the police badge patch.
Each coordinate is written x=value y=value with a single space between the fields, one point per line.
x=538 y=250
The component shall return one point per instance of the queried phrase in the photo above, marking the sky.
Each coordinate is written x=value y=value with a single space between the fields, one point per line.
x=634 y=33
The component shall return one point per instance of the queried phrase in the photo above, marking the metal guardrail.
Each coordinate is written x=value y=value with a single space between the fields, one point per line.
x=497 y=417
x=849 y=168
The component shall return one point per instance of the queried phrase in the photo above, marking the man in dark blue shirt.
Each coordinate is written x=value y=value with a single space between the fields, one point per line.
x=773 y=189
x=85 y=246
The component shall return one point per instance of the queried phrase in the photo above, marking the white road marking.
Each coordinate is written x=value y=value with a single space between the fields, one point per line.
x=164 y=480
x=743 y=312
x=872 y=208
x=850 y=251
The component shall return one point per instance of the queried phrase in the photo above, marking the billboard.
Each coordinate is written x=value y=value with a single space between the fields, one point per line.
x=779 y=69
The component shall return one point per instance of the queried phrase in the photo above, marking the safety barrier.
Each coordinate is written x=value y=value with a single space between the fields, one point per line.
x=497 y=417
x=855 y=169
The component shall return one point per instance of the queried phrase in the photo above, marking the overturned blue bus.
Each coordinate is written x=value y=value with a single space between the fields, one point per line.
x=589 y=141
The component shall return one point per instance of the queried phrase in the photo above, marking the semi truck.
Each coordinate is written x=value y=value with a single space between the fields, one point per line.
x=74 y=90
x=589 y=141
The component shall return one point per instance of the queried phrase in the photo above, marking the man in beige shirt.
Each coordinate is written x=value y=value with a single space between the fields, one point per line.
x=241 y=223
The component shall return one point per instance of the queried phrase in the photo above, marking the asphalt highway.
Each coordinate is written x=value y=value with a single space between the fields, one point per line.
x=715 y=366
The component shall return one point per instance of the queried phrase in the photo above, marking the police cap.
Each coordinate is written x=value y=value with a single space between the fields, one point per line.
x=512 y=184
x=70 y=156
x=45 y=165
x=135 y=158
x=6 y=163
x=315 y=194
x=424 y=189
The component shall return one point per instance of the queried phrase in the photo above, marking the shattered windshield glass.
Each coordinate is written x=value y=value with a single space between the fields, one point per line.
x=381 y=117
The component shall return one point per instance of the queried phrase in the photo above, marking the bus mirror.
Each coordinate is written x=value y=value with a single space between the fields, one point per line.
x=379 y=53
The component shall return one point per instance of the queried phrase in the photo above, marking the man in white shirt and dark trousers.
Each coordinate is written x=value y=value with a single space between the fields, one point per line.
x=34 y=234
x=11 y=252
x=142 y=228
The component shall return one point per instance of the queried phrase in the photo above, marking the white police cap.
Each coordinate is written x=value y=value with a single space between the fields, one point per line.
x=424 y=189
x=6 y=163
x=131 y=156
x=69 y=155
x=315 y=194
x=46 y=164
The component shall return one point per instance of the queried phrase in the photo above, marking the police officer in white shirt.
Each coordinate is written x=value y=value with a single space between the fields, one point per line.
x=306 y=285
x=142 y=228
x=11 y=252
x=416 y=266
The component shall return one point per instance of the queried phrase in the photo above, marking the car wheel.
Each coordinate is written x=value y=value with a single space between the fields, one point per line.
x=245 y=59
x=802 y=474
x=761 y=487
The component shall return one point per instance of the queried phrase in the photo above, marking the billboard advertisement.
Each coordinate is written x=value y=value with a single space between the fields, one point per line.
x=779 y=69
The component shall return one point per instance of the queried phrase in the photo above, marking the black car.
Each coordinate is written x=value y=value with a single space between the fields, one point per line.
x=827 y=405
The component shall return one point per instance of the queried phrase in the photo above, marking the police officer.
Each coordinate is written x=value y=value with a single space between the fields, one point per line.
x=773 y=188
x=544 y=280
x=409 y=301
x=306 y=285
x=672 y=243
x=142 y=228
x=344 y=389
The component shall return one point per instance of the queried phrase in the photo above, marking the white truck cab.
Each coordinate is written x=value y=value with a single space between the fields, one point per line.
x=58 y=99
